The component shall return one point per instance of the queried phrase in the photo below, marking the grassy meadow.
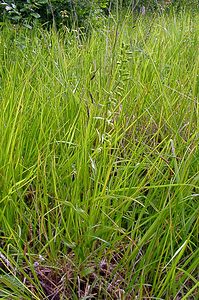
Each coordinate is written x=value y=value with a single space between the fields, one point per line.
x=99 y=161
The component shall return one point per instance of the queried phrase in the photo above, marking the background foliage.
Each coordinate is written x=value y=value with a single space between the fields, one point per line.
x=77 y=12
x=67 y=12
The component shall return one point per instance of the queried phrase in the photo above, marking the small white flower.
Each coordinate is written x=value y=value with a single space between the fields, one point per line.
x=41 y=257
x=8 y=8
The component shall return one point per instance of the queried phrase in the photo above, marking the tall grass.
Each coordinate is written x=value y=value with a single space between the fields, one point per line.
x=99 y=161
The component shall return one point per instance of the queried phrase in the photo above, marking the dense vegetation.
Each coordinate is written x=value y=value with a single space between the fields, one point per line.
x=79 y=13
x=99 y=160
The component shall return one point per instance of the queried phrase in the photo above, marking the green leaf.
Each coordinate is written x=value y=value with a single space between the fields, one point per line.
x=35 y=15
x=41 y=2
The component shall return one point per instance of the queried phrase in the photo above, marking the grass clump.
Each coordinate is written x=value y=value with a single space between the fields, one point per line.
x=99 y=161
